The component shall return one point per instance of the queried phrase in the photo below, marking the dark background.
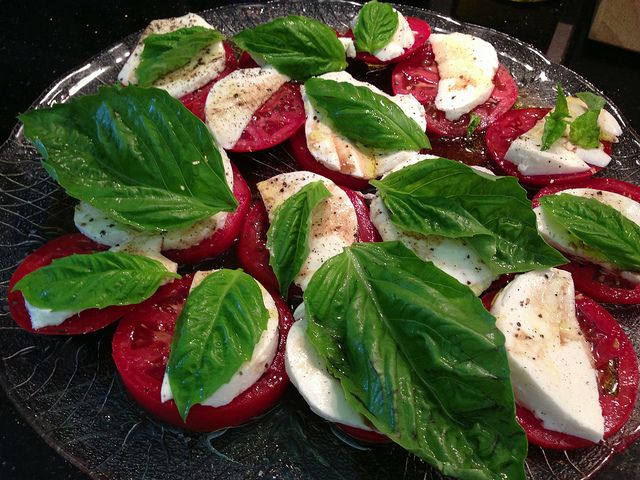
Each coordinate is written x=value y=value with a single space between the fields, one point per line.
x=43 y=39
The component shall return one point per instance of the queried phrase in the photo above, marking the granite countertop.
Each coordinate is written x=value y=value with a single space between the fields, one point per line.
x=41 y=40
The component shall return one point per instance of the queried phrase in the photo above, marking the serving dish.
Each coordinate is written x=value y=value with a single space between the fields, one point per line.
x=68 y=389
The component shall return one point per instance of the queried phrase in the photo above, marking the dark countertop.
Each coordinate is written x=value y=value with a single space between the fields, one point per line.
x=41 y=40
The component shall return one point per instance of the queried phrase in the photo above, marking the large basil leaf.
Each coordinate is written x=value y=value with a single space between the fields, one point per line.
x=377 y=22
x=600 y=227
x=165 y=52
x=288 y=234
x=447 y=198
x=299 y=47
x=584 y=130
x=135 y=153
x=216 y=332
x=555 y=122
x=418 y=355
x=364 y=116
x=98 y=280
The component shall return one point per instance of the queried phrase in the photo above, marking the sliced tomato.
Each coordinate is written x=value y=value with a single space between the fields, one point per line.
x=246 y=61
x=367 y=436
x=141 y=346
x=421 y=31
x=617 y=365
x=252 y=247
x=509 y=127
x=591 y=279
x=223 y=238
x=418 y=76
x=195 y=101
x=86 y=321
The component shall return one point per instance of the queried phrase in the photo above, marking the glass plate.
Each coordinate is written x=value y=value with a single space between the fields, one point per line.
x=68 y=388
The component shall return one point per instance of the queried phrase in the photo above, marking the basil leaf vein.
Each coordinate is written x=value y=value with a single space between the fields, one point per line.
x=377 y=23
x=555 y=122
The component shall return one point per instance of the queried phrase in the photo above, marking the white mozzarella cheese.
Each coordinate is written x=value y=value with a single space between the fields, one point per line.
x=233 y=100
x=195 y=74
x=334 y=224
x=250 y=371
x=349 y=46
x=466 y=66
x=94 y=224
x=402 y=39
x=340 y=154
x=319 y=388
x=43 y=317
x=551 y=364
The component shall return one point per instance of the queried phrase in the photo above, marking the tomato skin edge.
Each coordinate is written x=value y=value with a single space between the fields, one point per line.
x=364 y=435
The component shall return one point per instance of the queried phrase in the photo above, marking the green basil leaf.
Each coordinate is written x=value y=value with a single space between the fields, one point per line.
x=418 y=355
x=216 y=332
x=299 y=47
x=288 y=234
x=585 y=131
x=98 y=280
x=593 y=101
x=377 y=23
x=447 y=198
x=137 y=154
x=598 y=226
x=165 y=52
x=555 y=122
x=364 y=116
x=474 y=122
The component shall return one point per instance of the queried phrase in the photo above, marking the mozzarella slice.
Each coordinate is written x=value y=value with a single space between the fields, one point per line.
x=349 y=46
x=94 y=224
x=560 y=238
x=551 y=364
x=43 y=317
x=197 y=73
x=319 y=388
x=340 y=154
x=466 y=65
x=233 y=100
x=334 y=224
x=402 y=39
x=250 y=371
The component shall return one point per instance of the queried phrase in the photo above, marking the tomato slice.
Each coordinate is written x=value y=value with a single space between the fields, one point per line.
x=367 y=436
x=509 y=127
x=223 y=238
x=589 y=278
x=195 y=101
x=421 y=31
x=86 y=321
x=419 y=77
x=252 y=247
x=141 y=346
x=617 y=366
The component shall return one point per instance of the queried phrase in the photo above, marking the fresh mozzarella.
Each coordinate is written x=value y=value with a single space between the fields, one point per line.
x=338 y=153
x=466 y=66
x=349 y=46
x=43 y=317
x=233 y=100
x=402 y=39
x=551 y=364
x=96 y=225
x=334 y=224
x=560 y=238
x=251 y=370
x=319 y=388
x=198 y=72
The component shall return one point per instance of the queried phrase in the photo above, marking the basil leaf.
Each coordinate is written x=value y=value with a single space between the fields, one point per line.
x=555 y=122
x=593 y=101
x=364 y=116
x=585 y=131
x=288 y=234
x=165 y=52
x=377 y=23
x=296 y=46
x=137 y=154
x=474 y=122
x=216 y=332
x=418 y=356
x=598 y=226
x=447 y=198
x=82 y=281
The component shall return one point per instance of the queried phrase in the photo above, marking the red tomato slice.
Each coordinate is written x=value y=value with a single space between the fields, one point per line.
x=223 y=238
x=591 y=279
x=195 y=101
x=419 y=77
x=421 y=31
x=141 y=346
x=252 y=247
x=509 y=127
x=86 y=321
x=246 y=61
x=364 y=435
x=617 y=366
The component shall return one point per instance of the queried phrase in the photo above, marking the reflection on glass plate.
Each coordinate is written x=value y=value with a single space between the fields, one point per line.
x=68 y=388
